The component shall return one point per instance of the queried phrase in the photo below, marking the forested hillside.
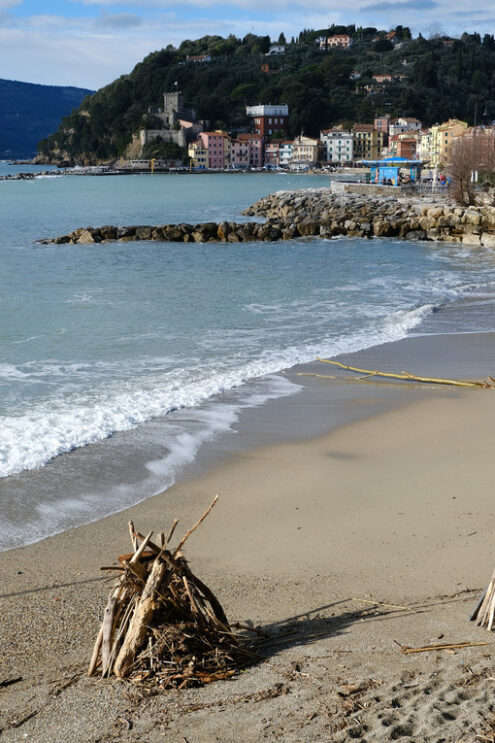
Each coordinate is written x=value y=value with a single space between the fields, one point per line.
x=432 y=80
x=29 y=112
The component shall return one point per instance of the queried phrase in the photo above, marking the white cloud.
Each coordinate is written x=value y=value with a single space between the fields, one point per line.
x=118 y=20
x=92 y=51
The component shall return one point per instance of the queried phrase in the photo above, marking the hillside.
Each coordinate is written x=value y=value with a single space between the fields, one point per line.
x=29 y=112
x=432 y=80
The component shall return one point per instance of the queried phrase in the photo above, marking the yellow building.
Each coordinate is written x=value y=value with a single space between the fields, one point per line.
x=441 y=138
x=306 y=152
x=368 y=142
x=198 y=154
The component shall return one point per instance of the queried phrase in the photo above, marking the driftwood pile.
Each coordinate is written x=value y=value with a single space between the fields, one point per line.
x=162 y=624
x=484 y=613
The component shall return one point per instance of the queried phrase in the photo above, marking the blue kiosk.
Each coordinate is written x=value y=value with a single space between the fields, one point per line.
x=387 y=172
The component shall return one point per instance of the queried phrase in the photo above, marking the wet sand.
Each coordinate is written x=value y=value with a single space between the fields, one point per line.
x=393 y=505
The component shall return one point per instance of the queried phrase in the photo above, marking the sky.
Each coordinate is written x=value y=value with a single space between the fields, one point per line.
x=89 y=43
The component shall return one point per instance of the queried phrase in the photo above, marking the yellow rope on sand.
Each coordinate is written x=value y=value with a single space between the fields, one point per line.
x=489 y=383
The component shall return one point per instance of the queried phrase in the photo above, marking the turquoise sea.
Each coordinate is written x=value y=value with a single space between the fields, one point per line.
x=155 y=348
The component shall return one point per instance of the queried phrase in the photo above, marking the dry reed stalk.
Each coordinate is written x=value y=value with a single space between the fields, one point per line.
x=484 y=613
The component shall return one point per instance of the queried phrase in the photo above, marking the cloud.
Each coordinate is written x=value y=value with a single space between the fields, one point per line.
x=118 y=20
x=405 y=5
x=468 y=13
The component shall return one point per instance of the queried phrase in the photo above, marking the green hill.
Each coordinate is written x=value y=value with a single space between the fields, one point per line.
x=432 y=80
x=29 y=112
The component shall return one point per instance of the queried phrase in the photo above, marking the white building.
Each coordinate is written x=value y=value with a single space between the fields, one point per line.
x=260 y=110
x=275 y=49
x=404 y=125
x=338 y=145
x=285 y=153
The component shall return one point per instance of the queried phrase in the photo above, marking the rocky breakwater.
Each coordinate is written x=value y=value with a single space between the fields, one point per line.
x=203 y=232
x=25 y=176
x=318 y=212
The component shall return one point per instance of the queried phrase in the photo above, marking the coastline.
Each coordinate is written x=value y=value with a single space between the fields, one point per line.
x=393 y=505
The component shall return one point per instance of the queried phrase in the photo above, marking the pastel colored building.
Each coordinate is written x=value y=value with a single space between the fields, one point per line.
x=217 y=147
x=382 y=123
x=382 y=77
x=368 y=143
x=338 y=145
x=407 y=147
x=285 y=153
x=239 y=154
x=272 y=153
x=442 y=136
x=255 y=145
x=198 y=154
x=306 y=152
x=342 y=41
x=404 y=124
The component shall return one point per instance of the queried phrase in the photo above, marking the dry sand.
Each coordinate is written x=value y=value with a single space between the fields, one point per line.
x=397 y=508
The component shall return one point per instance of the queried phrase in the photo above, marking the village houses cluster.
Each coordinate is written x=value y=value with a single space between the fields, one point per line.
x=265 y=143
x=268 y=146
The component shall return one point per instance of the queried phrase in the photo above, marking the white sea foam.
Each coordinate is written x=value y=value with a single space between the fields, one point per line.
x=62 y=424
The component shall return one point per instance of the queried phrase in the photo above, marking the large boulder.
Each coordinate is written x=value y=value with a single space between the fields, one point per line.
x=144 y=232
x=382 y=228
x=88 y=236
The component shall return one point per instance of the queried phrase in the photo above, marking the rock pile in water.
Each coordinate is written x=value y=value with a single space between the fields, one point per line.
x=318 y=212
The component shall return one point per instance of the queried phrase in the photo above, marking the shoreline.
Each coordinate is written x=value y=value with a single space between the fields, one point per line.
x=394 y=507
x=315 y=406
x=109 y=476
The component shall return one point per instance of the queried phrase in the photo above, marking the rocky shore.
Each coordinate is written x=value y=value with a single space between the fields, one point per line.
x=318 y=212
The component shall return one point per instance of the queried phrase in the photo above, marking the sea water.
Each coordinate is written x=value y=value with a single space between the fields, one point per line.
x=153 y=348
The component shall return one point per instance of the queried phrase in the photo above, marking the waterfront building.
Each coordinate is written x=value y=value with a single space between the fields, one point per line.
x=255 y=145
x=338 y=145
x=217 y=148
x=306 y=152
x=239 y=154
x=368 y=143
x=442 y=136
x=266 y=120
x=272 y=153
x=407 y=147
x=198 y=154
x=285 y=153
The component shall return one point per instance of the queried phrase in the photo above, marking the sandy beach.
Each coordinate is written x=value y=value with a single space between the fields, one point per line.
x=351 y=540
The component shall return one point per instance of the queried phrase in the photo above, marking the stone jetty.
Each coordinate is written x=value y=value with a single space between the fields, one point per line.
x=318 y=213
x=26 y=176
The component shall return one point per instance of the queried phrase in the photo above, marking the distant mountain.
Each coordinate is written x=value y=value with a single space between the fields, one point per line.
x=29 y=113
